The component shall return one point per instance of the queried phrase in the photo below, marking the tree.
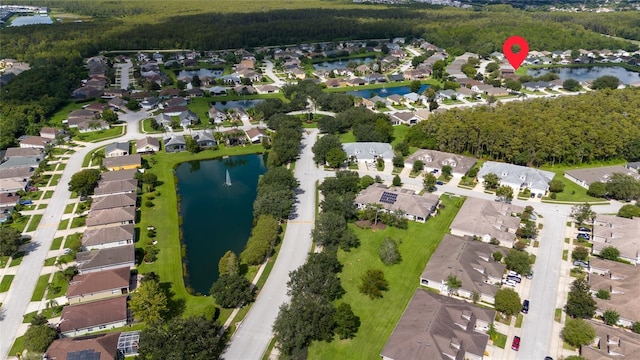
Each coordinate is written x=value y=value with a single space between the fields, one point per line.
x=418 y=166
x=447 y=171
x=580 y=303
x=605 y=82
x=194 y=338
x=149 y=181
x=39 y=337
x=491 y=181
x=582 y=213
x=507 y=301
x=430 y=182
x=527 y=231
x=262 y=240
x=277 y=204
x=347 y=323
x=571 y=85
x=323 y=146
x=397 y=181
x=317 y=278
x=329 y=228
x=610 y=253
x=398 y=161
x=623 y=187
x=365 y=182
x=597 y=189
x=610 y=317
x=192 y=145
x=556 y=186
x=497 y=256
x=453 y=284
x=110 y=116
x=580 y=253
x=402 y=148
x=518 y=261
x=629 y=211
x=389 y=253
x=229 y=264
x=149 y=303
x=415 y=85
x=373 y=283
x=636 y=327
x=10 y=240
x=336 y=157
x=84 y=181
x=505 y=192
x=513 y=84
x=578 y=332
x=232 y=290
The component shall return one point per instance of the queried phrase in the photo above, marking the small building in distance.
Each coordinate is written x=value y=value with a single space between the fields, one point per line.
x=127 y=162
x=619 y=232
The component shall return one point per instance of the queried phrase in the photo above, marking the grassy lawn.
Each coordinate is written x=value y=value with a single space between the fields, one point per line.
x=18 y=346
x=399 y=132
x=58 y=286
x=41 y=286
x=55 y=245
x=35 y=220
x=78 y=221
x=519 y=320
x=20 y=223
x=69 y=208
x=573 y=191
x=87 y=158
x=565 y=254
x=379 y=317
x=61 y=167
x=16 y=259
x=500 y=341
x=63 y=224
x=32 y=195
x=169 y=263
x=347 y=137
x=146 y=125
x=3 y=261
x=50 y=261
x=42 y=206
x=71 y=239
x=6 y=283
x=99 y=135
x=557 y=316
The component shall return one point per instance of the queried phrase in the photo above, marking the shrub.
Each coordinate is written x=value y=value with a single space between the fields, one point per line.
x=389 y=253
x=148 y=203
x=603 y=294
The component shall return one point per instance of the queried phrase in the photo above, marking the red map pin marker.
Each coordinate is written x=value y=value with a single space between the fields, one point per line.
x=515 y=59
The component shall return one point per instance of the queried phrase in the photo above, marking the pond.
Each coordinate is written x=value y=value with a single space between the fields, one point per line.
x=215 y=217
x=31 y=20
x=385 y=91
x=589 y=73
x=341 y=64
x=245 y=104
x=202 y=73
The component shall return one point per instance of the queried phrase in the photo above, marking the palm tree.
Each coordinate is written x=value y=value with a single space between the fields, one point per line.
x=97 y=157
x=453 y=284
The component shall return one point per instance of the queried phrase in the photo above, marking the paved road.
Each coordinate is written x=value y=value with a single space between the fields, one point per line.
x=252 y=337
x=269 y=71
x=124 y=73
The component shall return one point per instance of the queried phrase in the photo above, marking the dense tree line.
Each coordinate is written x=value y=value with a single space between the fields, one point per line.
x=573 y=129
x=276 y=191
x=286 y=141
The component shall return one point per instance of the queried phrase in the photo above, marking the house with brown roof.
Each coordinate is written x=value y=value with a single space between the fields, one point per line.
x=403 y=117
x=114 y=201
x=115 y=187
x=123 y=162
x=469 y=261
x=112 y=216
x=255 y=135
x=51 y=133
x=95 y=238
x=487 y=220
x=19 y=152
x=585 y=177
x=436 y=327
x=106 y=259
x=37 y=142
x=622 y=281
x=8 y=201
x=413 y=207
x=108 y=176
x=81 y=319
x=147 y=145
x=94 y=347
x=99 y=285
x=611 y=343
x=621 y=233
x=435 y=160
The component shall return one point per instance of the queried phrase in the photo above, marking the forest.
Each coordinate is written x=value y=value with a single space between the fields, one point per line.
x=599 y=125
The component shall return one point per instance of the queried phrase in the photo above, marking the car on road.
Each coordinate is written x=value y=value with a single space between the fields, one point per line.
x=581 y=264
x=525 y=307
x=530 y=275
x=515 y=345
x=584 y=229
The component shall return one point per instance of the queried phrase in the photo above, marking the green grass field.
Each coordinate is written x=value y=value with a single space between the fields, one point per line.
x=6 y=282
x=347 y=137
x=379 y=317
x=20 y=223
x=41 y=286
x=16 y=259
x=78 y=221
x=68 y=209
x=58 y=286
x=63 y=224
x=50 y=261
x=100 y=135
x=35 y=221
x=55 y=245
x=572 y=191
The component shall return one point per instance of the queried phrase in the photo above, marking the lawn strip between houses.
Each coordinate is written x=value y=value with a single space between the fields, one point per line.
x=379 y=317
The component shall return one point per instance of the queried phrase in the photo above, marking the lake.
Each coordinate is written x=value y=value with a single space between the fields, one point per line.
x=201 y=73
x=245 y=104
x=216 y=217
x=31 y=20
x=589 y=73
x=341 y=64
x=385 y=91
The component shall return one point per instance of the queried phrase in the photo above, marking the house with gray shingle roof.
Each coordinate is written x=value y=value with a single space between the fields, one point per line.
x=487 y=220
x=368 y=151
x=518 y=177
x=116 y=149
x=106 y=259
x=174 y=143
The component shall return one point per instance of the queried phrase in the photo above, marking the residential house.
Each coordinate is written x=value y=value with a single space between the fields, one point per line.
x=422 y=114
x=218 y=91
x=611 y=343
x=188 y=118
x=216 y=116
x=108 y=188
x=413 y=207
x=267 y=89
x=115 y=93
x=163 y=119
x=175 y=110
x=108 y=176
x=395 y=77
x=114 y=201
x=112 y=217
x=621 y=233
x=99 y=285
x=621 y=281
x=123 y=162
x=471 y=262
x=356 y=82
x=195 y=92
x=368 y=152
x=414 y=98
x=149 y=103
x=51 y=133
x=174 y=143
x=90 y=126
x=106 y=259
x=204 y=138
x=38 y=142
x=117 y=104
x=81 y=319
x=255 y=135
x=93 y=347
x=239 y=114
x=96 y=238
x=8 y=200
x=585 y=177
x=233 y=137
x=436 y=327
x=536 y=85
x=169 y=93
x=116 y=149
x=80 y=116
x=22 y=151
x=96 y=107
x=334 y=83
x=434 y=161
x=518 y=177
x=404 y=118
x=395 y=99
x=147 y=145
x=487 y=220
x=13 y=180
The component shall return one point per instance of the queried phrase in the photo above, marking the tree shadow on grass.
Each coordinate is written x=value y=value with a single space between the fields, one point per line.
x=175 y=306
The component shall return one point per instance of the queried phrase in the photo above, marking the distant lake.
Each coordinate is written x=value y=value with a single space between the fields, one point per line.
x=216 y=217
x=589 y=73
x=245 y=104
x=31 y=20
x=386 y=91
x=202 y=72
x=341 y=64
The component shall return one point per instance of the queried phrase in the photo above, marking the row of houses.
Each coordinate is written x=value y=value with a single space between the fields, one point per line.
x=17 y=166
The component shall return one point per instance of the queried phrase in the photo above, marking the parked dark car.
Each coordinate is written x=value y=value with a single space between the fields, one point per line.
x=584 y=236
x=525 y=306
x=514 y=278
x=582 y=228
x=439 y=182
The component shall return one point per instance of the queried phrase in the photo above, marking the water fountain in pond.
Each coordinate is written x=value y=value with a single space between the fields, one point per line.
x=227 y=181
